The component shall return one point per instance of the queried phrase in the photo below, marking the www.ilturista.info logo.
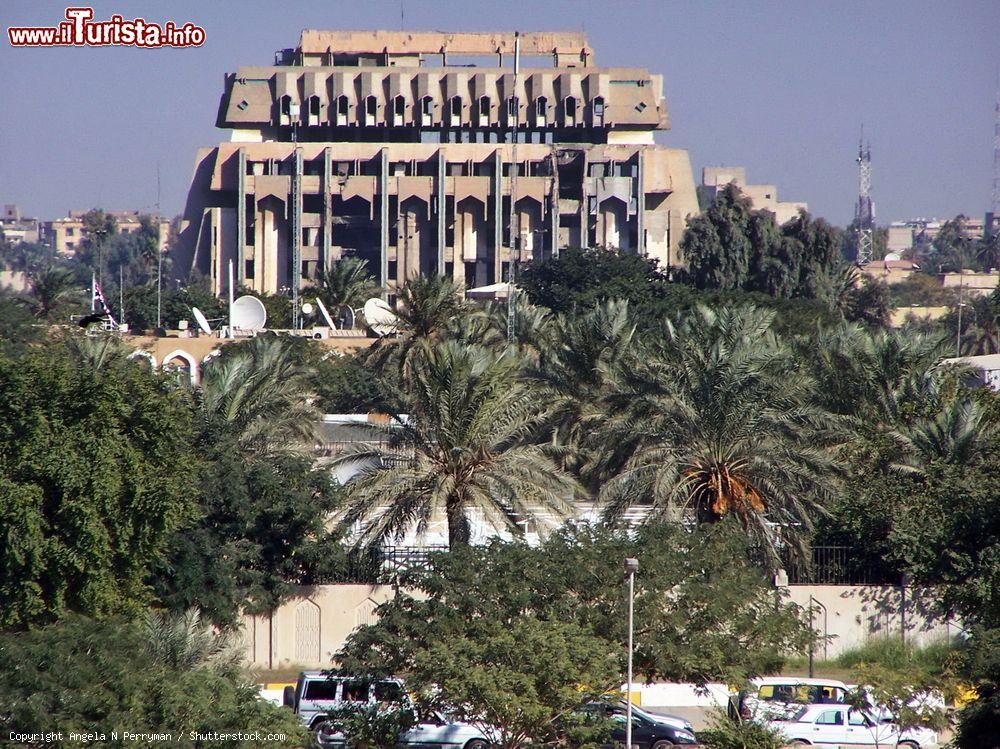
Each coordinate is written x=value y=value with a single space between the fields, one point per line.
x=79 y=30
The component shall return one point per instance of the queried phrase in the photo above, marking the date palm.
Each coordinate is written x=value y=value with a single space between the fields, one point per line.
x=345 y=282
x=258 y=392
x=468 y=446
x=716 y=423
x=50 y=289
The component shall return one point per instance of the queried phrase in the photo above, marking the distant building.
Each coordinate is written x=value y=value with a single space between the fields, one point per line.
x=391 y=147
x=890 y=271
x=985 y=367
x=971 y=282
x=903 y=235
x=715 y=178
x=16 y=228
x=66 y=234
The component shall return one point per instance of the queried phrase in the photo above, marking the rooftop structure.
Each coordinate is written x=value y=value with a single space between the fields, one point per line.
x=66 y=234
x=715 y=178
x=16 y=228
x=430 y=152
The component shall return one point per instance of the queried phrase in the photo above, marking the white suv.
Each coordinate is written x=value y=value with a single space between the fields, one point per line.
x=840 y=724
x=317 y=694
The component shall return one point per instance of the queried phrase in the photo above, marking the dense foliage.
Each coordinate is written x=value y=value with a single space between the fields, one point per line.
x=516 y=635
x=102 y=677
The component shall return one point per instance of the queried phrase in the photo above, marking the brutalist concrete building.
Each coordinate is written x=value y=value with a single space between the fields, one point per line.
x=429 y=152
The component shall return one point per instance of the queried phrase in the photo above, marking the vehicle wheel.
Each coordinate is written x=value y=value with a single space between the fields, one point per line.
x=798 y=742
x=477 y=744
x=663 y=744
x=909 y=745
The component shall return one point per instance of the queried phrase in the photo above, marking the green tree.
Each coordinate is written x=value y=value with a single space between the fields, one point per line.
x=97 y=677
x=96 y=468
x=716 y=245
x=472 y=631
x=346 y=282
x=719 y=422
x=867 y=303
x=465 y=445
x=53 y=289
x=258 y=531
x=258 y=389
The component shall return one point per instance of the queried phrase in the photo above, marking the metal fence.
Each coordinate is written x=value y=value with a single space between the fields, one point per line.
x=383 y=566
x=838 y=565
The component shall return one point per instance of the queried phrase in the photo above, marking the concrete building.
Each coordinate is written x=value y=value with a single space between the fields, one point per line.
x=972 y=283
x=715 y=178
x=66 y=234
x=16 y=228
x=390 y=147
x=903 y=235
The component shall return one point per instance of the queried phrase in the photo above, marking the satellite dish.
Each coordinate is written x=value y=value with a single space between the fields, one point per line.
x=380 y=317
x=346 y=316
x=249 y=313
x=307 y=309
x=326 y=315
x=202 y=321
x=893 y=256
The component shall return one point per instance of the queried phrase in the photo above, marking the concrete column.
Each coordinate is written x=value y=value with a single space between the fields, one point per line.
x=327 y=201
x=497 y=219
x=241 y=216
x=383 y=188
x=442 y=204
x=640 y=202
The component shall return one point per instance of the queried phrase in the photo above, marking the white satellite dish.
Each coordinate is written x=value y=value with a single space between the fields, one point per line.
x=346 y=316
x=380 y=317
x=307 y=309
x=202 y=321
x=326 y=315
x=893 y=256
x=248 y=313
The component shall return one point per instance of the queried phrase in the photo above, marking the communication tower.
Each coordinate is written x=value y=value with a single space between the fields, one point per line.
x=864 y=213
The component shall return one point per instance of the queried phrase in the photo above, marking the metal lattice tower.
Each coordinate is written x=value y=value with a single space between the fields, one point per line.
x=864 y=213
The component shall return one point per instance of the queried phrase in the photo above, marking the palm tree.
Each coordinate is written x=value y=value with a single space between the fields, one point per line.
x=468 y=436
x=718 y=423
x=346 y=282
x=50 y=288
x=260 y=392
x=428 y=308
x=955 y=435
x=183 y=641
x=580 y=355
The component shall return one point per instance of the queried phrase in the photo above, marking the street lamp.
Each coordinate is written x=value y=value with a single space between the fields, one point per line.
x=631 y=567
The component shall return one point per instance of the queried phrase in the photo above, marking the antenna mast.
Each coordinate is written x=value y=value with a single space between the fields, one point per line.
x=995 y=199
x=864 y=212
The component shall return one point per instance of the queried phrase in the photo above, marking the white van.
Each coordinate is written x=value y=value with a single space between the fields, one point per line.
x=316 y=694
x=781 y=697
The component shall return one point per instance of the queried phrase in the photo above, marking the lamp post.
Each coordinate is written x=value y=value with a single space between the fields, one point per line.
x=631 y=567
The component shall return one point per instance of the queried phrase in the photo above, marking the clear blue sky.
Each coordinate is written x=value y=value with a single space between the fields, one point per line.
x=779 y=87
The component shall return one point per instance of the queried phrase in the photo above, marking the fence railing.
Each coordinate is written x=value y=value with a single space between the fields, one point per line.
x=838 y=565
x=829 y=565
x=383 y=566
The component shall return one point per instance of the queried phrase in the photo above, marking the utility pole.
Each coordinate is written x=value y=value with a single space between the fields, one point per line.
x=864 y=212
x=993 y=221
x=159 y=254
x=515 y=224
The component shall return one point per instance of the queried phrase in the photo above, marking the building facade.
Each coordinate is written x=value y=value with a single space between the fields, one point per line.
x=765 y=197
x=16 y=228
x=391 y=147
x=66 y=234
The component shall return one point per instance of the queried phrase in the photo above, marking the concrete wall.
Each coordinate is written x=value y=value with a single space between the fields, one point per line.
x=855 y=613
x=310 y=628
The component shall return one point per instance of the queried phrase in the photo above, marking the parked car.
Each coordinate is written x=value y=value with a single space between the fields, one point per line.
x=649 y=734
x=316 y=694
x=840 y=724
x=618 y=707
x=437 y=733
x=782 y=697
